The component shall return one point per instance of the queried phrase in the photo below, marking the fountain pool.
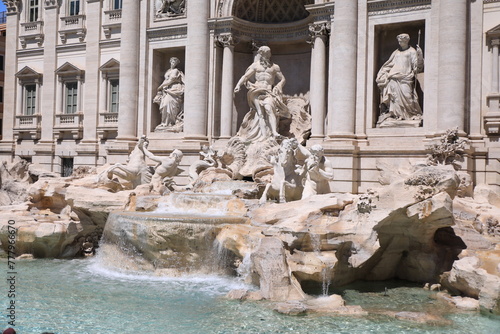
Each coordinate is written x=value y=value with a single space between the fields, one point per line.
x=82 y=296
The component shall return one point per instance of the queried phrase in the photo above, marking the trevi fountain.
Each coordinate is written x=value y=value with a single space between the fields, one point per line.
x=253 y=238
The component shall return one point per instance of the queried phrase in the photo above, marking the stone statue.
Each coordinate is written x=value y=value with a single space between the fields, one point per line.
x=135 y=172
x=209 y=160
x=165 y=170
x=318 y=172
x=396 y=80
x=170 y=98
x=286 y=181
x=171 y=7
x=264 y=97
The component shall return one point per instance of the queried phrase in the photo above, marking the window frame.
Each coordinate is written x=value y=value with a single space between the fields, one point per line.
x=70 y=92
x=33 y=10
x=114 y=90
x=72 y=11
x=29 y=99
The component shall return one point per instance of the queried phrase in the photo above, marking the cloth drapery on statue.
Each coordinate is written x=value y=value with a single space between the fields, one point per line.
x=396 y=80
x=254 y=127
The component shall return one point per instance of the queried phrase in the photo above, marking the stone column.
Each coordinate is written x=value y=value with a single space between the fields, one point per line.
x=227 y=96
x=196 y=92
x=10 y=107
x=494 y=66
x=452 y=64
x=92 y=77
x=129 y=71
x=318 y=33
x=48 y=96
x=342 y=73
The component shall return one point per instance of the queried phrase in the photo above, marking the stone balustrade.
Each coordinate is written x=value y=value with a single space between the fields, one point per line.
x=31 y=31
x=28 y=125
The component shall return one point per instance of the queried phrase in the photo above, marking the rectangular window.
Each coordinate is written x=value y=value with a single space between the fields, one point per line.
x=1 y=94
x=1 y=63
x=33 y=10
x=74 y=7
x=30 y=99
x=67 y=167
x=114 y=95
x=117 y=4
x=71 y=97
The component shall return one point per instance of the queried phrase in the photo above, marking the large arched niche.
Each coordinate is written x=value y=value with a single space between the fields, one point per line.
x=266 y=11
x=280 y=24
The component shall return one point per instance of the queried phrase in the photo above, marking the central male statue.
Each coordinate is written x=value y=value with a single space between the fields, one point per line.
x=264 y=99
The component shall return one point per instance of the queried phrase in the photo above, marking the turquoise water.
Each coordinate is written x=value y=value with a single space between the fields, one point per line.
x=79 y=296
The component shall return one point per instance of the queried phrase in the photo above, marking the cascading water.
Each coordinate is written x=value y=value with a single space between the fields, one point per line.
x=177 y=238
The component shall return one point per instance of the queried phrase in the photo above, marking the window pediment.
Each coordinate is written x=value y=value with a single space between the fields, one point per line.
x=493 y=33
x=28 y=74
x=111 y=65
x=69 y=70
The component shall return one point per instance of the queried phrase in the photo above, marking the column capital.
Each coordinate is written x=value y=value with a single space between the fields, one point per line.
x=320 y=30
x=12 y=6
x=50 y=4
x=226 y=40
x=495 y=42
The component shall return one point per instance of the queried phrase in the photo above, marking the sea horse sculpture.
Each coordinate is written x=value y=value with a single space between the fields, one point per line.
x=286 y=182
x=135 y=172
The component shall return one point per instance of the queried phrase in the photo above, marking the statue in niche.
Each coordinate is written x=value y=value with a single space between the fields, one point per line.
x=396 y=80
x=170 y=8
x=165 y=170
x=318 y=172
x=170 y=98
x=265 y=98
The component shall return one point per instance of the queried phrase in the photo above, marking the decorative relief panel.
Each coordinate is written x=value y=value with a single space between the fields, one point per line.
x=170 y=8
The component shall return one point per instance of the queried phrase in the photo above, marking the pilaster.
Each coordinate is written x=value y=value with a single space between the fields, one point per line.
x=342 y=74
x=129 y=71
x=197 y=55
x=452 y=64
x=7 y=143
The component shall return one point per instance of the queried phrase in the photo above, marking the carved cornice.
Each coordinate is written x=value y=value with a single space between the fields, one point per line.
x=248 y=31
x=12 y=6
x=321 y=12
x=396 y=6
x=167 y=33
x=491 y=1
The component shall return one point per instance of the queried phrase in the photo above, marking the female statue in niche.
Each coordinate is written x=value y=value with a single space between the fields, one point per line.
x=396 y=80
x=170 y=97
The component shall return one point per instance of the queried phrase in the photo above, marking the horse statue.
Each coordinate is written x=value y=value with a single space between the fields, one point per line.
x=135 y=172
x=286 y=182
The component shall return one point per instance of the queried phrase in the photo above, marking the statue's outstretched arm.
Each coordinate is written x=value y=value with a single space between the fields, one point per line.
x=243 y=80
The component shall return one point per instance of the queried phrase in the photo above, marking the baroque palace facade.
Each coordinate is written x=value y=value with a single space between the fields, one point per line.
x=81 y=77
